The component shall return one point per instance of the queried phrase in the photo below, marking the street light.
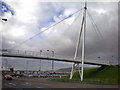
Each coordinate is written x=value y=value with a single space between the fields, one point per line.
x=52 y=60
x=99 y=58
x=40 y=52
x=52 y=52
x=6 y=65
x=27 y=62
x=112 y=60
x=40 y=62
x=27 y=67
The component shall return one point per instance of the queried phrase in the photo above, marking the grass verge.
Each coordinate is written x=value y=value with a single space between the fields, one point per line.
x=103 y=76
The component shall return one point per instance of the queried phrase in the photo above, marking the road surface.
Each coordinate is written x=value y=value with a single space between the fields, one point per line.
x=43 y=83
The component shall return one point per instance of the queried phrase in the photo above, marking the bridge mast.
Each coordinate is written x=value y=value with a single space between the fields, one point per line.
x=82 y=32
x=83 y=46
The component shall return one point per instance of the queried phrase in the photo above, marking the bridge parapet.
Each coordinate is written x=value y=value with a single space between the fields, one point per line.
x=32 y=53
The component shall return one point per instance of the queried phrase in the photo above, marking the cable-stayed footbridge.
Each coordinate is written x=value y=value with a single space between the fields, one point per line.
x=80 y=39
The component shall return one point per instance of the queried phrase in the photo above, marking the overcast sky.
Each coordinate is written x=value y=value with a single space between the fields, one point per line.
x=27 y=18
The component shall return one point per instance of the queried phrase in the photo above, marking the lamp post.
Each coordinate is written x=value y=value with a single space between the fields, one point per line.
x=6 y=65
x=40 y=52
x=48 y=51
x=40 y=62
x=112 y=60
x=52 y=52
x=52 y=60
x=27 y=67
x=99 y=58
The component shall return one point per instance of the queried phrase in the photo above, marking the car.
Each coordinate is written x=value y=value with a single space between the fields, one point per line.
x=30 y=75
x=18 y=76
x=7 y=77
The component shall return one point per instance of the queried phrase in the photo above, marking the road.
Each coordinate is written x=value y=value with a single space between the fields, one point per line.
x=43 y=83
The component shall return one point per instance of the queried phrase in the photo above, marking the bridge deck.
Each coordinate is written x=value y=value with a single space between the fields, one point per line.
x=47 y=58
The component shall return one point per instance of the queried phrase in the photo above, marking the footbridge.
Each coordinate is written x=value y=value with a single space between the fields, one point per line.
x=37 y=55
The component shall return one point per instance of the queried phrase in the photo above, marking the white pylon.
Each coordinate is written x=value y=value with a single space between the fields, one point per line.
x=81 y=32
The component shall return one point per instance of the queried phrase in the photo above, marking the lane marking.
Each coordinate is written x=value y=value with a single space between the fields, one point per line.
x=39 y=87
x=53 y=85
x=26 y=83
x=12 y=84
x=9 y=83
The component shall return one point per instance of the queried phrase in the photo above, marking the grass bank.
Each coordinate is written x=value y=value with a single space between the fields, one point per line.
x=108 y=75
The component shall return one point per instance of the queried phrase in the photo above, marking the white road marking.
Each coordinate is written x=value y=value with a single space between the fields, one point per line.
x=13 y=84
x=39 y=87
x=27 y=83
x=9 y=83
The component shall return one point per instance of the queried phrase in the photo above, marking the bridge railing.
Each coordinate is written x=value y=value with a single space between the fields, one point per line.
x=33 y=53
